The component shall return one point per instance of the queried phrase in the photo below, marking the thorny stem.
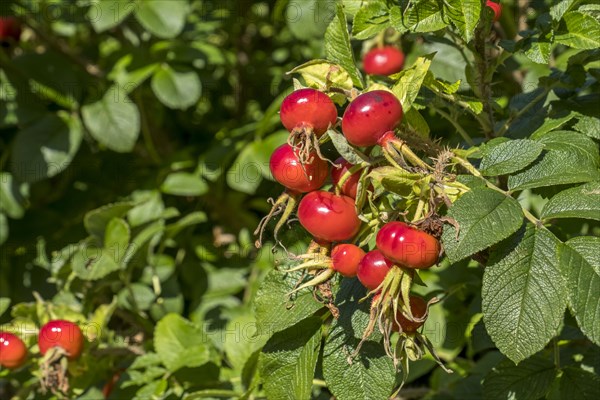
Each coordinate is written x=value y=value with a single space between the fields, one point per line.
x=481 y=70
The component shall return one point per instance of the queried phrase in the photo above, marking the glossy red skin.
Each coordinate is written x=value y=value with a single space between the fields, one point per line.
x=308 y=107
x=13 y=351
x=496 y=8
x=345 y=259
x=370 y=116
x=61 y=333
x=373 y=268
x=418 y=308
x=328 y=217
x=408 y=246
x=387 y=60
x=287 y=170
x=10 y=29
x=350 y=187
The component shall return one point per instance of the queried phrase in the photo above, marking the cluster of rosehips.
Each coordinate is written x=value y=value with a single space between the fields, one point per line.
x=331 y=217
x=60 y=334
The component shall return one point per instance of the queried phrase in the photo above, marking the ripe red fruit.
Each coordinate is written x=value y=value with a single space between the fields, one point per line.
x=350 y=187
x=418 y=308
x=10 y=29
x=372 y=269
x=496 y=8
x=345 y=259
x=383 y=61
x=286 y=169
x=408 y=246
x=308 y=108
x=370 y=116
x=328 y=217
x=64 y=334
x=12 y=351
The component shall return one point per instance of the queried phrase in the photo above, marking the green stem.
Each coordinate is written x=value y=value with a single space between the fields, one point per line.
x=347 y=175
x=467 y=138
x=406 y=151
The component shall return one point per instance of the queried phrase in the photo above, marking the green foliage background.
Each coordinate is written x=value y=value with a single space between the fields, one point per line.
x=135 y=137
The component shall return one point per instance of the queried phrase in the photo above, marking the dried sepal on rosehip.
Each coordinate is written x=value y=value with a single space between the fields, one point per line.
x=307 y=114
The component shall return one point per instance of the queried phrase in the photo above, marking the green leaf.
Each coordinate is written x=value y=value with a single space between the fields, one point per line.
x=46 y=147
x=13 y=196
x=4 y=229
x=572 y=158
x=308 y=19
x=338 y=48
x=106 y=14
x=559 y=8
x=349 y=153
x=95 y=221
x=580 y=31
x=320 y=73
x=179 y=343
x=288 y=360
x=371 y=374
x=588 y=125
x=370 y=20
x=509 y=157
x=530 y=380
x=524 y=295
x=163 y=18
x=578 y=202
x=243 y=340
x=4 y=304
x=576 y=383
x=116 y=238
x=91 y=263
x=179 y=89
x=113 y=121
x=580 y=265
x=485 y=217
x=422 y=16
x=184 y=184
x=273 y=314
x=410 y=81
x=465 y=15
x=395 y=180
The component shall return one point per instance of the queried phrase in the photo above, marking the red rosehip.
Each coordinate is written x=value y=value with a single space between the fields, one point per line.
x=350 y=187
x=64 y=334
x=328 y=217
x=286 y=169
x=13 y=352
x=345 y=259
x=496 y=8
x=372 y=269
x=370 y=116
x=10 y=29
x=418 y=308
x=408 y=246
x=383 y=61
x=308 y=108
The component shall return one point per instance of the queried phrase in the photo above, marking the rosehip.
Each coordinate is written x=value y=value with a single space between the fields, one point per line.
x=496 y=8
x=64 y=334
x=418 y=309
x=345 y=259
x=370 y=116
x=12 y=351
x=408 y=246
x=350 y=187
x=372 y=269
x=286 y=169
x=308 y=108
x=328 y=217
x=10 y=29
x=383 y=61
